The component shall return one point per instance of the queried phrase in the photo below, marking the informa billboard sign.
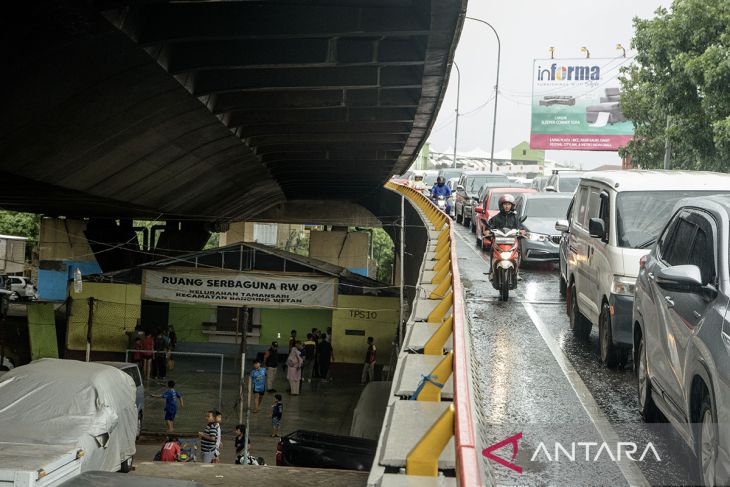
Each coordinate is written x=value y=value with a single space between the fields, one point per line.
x=576 y=105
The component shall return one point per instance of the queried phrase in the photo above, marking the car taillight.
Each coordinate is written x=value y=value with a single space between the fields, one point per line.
x=642 y=261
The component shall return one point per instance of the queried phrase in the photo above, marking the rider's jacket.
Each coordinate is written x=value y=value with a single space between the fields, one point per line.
x=505 y=220
x=437 y=191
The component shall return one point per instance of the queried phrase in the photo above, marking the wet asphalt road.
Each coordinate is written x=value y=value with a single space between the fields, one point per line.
x=536 y=379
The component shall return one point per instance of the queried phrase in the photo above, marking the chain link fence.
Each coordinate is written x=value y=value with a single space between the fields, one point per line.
x=106 y=323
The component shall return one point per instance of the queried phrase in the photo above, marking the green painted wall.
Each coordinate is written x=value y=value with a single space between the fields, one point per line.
x=283 y=321
x=523 y=152
x=188 y=321
x=42 y=331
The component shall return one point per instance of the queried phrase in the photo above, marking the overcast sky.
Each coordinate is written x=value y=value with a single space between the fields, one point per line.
x=527 y=28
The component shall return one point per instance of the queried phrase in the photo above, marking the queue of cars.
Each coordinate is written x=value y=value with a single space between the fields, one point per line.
x=645 y=256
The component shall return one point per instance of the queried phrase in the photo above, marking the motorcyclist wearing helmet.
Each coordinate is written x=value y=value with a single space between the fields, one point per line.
x=440 y=188
x=418 y=184
x=506 y=218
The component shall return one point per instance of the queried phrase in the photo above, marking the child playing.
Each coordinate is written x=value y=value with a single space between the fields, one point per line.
x=171 y=450
x=209 y=438
x=277 y=410
x=171 y=396
x=258 y=381
x=218 y=420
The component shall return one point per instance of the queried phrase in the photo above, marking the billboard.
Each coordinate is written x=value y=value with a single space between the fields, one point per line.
x=239 y=288
x=576 y=105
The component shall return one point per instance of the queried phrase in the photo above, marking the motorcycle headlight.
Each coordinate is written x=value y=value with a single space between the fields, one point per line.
x=623 y=285
x=539 y=237
x=505 y=255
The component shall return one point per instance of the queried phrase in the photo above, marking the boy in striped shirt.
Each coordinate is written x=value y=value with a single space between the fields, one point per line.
x=209 y=438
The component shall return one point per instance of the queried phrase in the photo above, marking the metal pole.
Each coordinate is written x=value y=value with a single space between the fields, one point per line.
x=89 y=324
x=220 y=386
x=248 y=420
x=496 y=87
x=402 y=266
x=667 y=147
x=242 y=351
x=458 y=95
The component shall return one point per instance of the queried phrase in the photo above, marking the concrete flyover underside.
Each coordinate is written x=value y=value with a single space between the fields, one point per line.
x=215 y=110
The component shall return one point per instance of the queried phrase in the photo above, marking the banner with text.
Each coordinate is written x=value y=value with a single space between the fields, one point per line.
x=576 y=105
x=240 y=289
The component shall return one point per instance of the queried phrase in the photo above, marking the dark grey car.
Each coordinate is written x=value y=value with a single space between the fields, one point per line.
x=541 y=211
x=682 y=331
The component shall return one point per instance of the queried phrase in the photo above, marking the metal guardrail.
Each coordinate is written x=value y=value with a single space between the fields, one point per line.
x=439 y=315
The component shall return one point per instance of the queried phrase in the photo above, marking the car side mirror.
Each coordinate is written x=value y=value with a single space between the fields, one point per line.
x=459 y=187
x=596 y=228
x=680 y=278
x=550 y=189
x=478 y=209
x=561 y=225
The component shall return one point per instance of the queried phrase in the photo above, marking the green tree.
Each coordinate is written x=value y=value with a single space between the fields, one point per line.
x=681 y=74
x=383 y=254
x=21 y=225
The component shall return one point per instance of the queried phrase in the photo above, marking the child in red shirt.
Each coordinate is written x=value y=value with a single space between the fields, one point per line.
x=171 y=450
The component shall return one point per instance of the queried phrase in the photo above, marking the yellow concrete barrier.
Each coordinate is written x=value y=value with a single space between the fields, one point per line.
x=440 y=374
x=441 y=263
x=424 y=458
x=441 y=289
x=439 y=312
x=440 y=274
x=435 y=344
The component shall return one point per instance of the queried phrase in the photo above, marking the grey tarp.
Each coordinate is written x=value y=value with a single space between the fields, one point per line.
x=66 y=402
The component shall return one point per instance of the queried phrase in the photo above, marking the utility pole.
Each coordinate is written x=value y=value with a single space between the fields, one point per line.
x=496 y=88
x=667 y=146
x=89 y=324
x=458 y=95
x=402 y=267
x=243 y=329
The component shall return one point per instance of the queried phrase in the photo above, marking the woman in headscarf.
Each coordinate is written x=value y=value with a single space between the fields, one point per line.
x=294 y=368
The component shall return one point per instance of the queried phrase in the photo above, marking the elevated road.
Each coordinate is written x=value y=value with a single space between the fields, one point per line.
x=215 y=110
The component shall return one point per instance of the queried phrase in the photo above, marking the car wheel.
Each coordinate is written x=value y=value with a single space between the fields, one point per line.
x=139 y=425
x=609 y=356
x=563 y=287
x=479 y=241
x=127 y=465
x=459 y=217
x=579 y=325
x=472 y=226
x=707 y=441
x=647 y=408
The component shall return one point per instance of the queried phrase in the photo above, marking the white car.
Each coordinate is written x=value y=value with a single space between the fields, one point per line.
x=615 y=218
x=84 y=406
x=22 y=289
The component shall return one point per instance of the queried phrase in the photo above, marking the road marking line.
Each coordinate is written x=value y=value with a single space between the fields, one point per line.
x=630 y=471
x=479 y=254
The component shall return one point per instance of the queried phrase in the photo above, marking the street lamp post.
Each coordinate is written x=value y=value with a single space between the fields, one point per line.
x=458 y=95
x=496 y=87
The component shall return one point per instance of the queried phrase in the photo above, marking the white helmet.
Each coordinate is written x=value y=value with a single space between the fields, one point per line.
x=506 y=198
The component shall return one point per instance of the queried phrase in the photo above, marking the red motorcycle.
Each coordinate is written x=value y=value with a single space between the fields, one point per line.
x=505 y=260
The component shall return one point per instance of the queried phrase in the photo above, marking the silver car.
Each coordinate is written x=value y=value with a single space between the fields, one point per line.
x=682 y=331
x=540 y=211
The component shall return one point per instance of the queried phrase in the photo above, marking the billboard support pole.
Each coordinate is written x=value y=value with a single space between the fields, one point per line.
x=458 y=95
x=496 y=88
